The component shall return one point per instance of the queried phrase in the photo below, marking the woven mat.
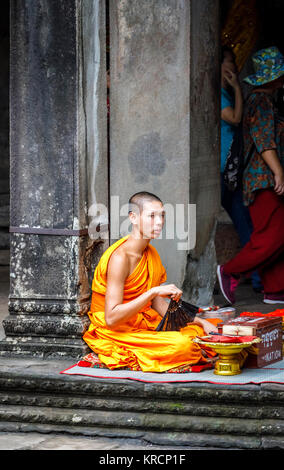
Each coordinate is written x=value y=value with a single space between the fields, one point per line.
x=274 y=373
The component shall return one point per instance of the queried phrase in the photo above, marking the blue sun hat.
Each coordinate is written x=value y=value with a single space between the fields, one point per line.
x=268 y=66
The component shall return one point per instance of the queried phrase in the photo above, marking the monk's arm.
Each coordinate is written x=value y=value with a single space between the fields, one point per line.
x=206 y=325
x=160 y=305
x=116 y=311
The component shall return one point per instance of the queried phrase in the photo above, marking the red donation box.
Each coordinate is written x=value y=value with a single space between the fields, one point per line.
x=269 y=330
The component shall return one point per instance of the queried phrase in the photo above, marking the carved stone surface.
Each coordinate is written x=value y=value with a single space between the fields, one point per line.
x=58 y=148
x=50 y=273
x=42 y=347
x=204 y=153
x=164 y=124
x=22 y=306
x=150 y=113
x=45 y=325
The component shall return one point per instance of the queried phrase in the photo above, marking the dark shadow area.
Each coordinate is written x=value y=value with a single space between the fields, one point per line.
x=4 y=160
x=268 y=16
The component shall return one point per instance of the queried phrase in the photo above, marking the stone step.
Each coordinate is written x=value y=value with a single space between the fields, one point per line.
x=130 y=405
x=197 y=440
x=140 y=420
x=156 y=428
x=35 y=397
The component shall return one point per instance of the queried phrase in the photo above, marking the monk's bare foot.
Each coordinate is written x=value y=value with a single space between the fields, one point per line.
x=212 y=360
x=204 y=353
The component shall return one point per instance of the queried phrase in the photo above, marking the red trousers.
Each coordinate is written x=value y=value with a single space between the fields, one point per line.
x=265 y=250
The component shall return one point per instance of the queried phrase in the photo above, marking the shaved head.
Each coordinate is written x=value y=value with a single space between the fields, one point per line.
x=137 y=201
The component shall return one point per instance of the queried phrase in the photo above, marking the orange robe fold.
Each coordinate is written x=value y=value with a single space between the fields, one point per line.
x=135 y=343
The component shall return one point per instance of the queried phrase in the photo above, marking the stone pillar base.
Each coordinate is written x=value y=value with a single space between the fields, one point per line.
x=44 y=335
x=43 y=347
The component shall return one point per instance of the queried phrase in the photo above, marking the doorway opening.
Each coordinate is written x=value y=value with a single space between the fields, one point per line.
x=246 y=26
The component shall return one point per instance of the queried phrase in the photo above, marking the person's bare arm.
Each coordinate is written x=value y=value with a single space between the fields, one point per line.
x=116 y=311
x=233 y=115
x=206 y=325
x=160 y=305
x=271 y=159
x=228 y=115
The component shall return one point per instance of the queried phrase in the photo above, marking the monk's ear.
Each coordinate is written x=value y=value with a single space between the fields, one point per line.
x=133 y=217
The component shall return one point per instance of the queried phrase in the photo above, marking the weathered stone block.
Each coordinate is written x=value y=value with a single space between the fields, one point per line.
x=52 y=258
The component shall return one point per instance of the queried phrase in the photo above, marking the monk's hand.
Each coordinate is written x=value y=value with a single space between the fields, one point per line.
x=168 y=290
x=206 y=325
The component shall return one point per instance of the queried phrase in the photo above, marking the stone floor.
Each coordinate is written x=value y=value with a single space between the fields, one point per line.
x=38 y=441
x=247 y=300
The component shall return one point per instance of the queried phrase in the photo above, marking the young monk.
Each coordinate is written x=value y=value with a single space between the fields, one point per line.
x=128 y=301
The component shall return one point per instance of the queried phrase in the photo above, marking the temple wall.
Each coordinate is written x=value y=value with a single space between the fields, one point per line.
x=204 y=149
x=163 y=72
x=164 y=135
x=4 y=136
x=52 y=257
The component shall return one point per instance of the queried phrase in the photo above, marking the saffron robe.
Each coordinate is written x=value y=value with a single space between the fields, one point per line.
x=135 y=343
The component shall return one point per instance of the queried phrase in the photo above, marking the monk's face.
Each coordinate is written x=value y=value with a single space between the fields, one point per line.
x=150 y=220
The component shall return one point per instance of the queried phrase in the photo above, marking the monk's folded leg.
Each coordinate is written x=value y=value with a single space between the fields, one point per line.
x=149 y=351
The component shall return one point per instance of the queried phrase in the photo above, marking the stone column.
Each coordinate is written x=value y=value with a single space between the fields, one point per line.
x=53 y=62
x=149 y=119
x=204 y=150
x=164 y=124
x=4 y=136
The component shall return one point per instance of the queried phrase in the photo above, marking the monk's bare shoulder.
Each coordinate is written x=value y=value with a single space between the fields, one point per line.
x=118 y=265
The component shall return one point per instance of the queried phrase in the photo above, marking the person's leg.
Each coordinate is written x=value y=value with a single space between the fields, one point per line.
x=272 y=276
x=267 y=240
x=242 y=221
x=143 y=349
x=226 y=197
x=241 y=217
x=232 y=202
x=265 y=245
